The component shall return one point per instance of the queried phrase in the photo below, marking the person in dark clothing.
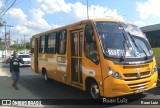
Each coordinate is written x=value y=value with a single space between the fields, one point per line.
x=14 y=68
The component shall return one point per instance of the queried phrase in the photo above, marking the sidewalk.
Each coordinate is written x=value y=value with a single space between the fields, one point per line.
x=4 y=72
x=2 y=60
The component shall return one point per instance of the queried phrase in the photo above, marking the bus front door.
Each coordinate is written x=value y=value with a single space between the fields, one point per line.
x=76 y=57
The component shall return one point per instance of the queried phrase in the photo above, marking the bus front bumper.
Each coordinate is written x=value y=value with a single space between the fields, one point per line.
x=115 y=87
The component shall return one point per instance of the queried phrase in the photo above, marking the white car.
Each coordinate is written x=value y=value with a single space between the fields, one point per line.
x=26 y=59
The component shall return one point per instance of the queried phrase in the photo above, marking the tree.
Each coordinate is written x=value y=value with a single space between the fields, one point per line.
x=1 y=22
x=0 y=46
x=28 y=45
x=13 y=47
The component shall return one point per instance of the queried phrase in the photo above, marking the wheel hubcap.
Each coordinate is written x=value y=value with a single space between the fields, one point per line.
x=94 y=91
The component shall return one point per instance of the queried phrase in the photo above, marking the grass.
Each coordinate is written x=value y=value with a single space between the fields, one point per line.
x=156 y=52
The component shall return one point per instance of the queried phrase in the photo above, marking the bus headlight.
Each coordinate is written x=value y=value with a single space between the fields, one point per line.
x=154 y=70
x=113 y=73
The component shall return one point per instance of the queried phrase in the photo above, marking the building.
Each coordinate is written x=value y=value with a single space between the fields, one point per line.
x=153 y=34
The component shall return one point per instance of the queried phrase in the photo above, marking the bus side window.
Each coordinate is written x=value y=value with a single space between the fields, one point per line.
x=90 y=45
x=61 y=42
x=42 y=44
x=51 y=43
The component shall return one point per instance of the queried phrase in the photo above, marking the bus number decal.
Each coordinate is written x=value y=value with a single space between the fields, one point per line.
x=88 y=72
x=115 y=52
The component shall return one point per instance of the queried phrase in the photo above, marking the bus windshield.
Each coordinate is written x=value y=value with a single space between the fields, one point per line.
x=122 y=40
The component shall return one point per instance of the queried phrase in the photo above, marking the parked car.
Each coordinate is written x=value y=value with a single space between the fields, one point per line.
x=26 y=59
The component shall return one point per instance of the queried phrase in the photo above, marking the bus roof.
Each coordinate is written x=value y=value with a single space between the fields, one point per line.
x=79 y=23
x=109 y=19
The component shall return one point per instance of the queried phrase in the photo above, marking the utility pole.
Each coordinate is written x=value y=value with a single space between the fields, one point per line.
x=17 y=43
x=5 y=42
x=87 y=11
x=9 y=38
x=25 y=42
x=17 y=40
x=6 y=38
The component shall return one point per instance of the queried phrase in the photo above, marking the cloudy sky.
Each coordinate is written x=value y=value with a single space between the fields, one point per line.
x=29 y=17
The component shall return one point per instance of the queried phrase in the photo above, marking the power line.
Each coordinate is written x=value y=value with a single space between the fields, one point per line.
x=20 y=1
x=6 y=3
x=5 y=10
x=8 y=8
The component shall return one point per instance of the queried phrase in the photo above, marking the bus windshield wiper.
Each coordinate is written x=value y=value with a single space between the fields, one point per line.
x=138 y=46
x=143 y=50
x=124 y=43
x=123 y=54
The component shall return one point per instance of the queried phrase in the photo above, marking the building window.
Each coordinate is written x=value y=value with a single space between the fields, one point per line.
x=42 y=44
x=51 y=47
x=61 y=42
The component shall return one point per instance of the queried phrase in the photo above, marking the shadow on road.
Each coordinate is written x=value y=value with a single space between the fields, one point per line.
x=50 y=90
x=157 y=90
x=56 y=90
x=7 y=66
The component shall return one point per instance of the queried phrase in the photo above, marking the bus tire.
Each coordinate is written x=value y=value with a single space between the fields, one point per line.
x=94 y=90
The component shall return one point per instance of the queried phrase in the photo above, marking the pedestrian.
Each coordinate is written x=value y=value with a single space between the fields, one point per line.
x=14 y=68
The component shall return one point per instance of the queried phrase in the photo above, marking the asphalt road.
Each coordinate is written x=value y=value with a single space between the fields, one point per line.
x=32 y=86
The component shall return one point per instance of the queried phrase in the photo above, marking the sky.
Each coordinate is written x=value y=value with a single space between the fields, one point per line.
x=29 y=17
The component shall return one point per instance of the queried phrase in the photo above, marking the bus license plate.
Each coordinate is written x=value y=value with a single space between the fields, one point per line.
x=139 y=90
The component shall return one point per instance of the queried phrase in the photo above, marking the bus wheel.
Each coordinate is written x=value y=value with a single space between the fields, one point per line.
x=94 y=90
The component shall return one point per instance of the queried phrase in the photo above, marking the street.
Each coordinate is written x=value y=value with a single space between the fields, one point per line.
x=32 y=86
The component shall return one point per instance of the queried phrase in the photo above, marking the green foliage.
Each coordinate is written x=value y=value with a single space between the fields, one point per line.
x=1 y=22
x=28 y=46
x=156 y=51
x=20 y=46
x=0 y=46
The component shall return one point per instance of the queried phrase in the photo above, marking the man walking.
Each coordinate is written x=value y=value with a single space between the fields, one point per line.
x=14 y=68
